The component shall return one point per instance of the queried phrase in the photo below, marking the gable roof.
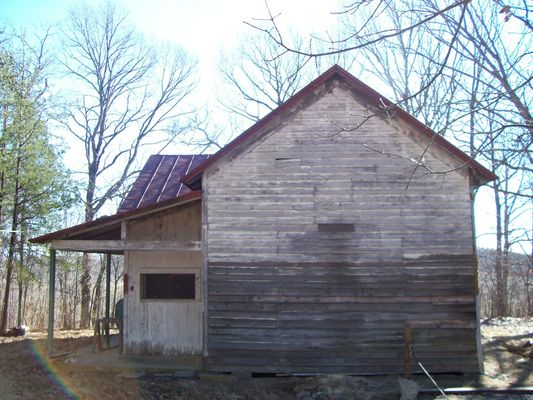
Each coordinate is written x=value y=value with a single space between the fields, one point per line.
x=160 y=180
x=194 y=177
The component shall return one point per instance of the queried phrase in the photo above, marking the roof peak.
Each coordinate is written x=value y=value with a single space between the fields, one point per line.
x=194 y=177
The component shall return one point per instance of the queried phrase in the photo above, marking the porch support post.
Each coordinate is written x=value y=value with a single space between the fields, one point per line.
x=51 y=302
x=107 y=295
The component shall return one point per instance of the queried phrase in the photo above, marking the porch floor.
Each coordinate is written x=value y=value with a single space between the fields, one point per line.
x=91 y=357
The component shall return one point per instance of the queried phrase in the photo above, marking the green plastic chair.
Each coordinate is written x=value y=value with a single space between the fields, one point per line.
x=119 y=316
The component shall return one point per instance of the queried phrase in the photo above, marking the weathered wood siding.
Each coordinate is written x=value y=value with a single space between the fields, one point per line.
x=317 y=254
x=165 y=327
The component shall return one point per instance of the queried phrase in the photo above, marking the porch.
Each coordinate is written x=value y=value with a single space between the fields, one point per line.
x=113 y=236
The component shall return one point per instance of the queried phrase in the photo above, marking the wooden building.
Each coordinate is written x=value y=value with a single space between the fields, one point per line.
x=312 y=243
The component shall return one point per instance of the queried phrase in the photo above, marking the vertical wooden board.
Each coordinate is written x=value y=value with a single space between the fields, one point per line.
x=205 y=274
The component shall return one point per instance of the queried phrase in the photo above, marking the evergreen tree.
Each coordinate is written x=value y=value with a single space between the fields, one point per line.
x=33 y=181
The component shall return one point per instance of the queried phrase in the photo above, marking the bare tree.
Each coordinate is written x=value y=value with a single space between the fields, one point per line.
x=208 y=133
x=130 y=95
x=503 y=124
x=406 y=65
x=256 y=79
x=487 y=110
x=361 y=14
x=502 y=55
x=69 y=267
x=458 y=27
x=118 y=272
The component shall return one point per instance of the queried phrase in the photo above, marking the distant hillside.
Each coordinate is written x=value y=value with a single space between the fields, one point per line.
x=487 y=260
x=519 y=285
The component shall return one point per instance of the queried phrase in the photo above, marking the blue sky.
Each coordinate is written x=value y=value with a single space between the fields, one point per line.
x=199 y=26
x=24 y=12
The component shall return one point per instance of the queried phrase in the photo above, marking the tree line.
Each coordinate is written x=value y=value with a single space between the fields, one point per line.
x=464 y=69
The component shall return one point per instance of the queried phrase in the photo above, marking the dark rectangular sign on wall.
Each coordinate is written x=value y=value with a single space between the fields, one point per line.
x=168 y=286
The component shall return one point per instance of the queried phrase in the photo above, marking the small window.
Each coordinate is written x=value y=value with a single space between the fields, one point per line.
x=168 y=286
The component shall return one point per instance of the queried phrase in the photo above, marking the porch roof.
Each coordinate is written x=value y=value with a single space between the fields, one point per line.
x=108 y=228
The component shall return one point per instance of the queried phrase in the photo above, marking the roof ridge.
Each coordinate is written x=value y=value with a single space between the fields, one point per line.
x=181 y=155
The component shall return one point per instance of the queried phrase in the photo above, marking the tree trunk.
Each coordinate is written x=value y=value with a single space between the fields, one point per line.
x=501 y=285
x=24 y=301
x=529 y=275
x=9 y=278
x=85 y=283
x=11 y=252
x=98 y=292
x=116 y=279
x=19 y=304
x=2 y=182
x=1 y=220
x=21 y=280
x=75 y=302
x=507 y=311
x=62 y=280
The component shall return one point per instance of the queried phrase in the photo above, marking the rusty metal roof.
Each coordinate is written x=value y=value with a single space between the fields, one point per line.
x=160 y=180
x=157 y=187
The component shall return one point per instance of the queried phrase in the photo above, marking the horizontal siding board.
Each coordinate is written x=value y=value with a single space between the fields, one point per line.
x=293 y=254
x=330 y=246
x=230 y=205
x=312 y=238
x=326 y=322
x=272 y=310
x=269 y=215
x=371 y=256
x=338 y=293
x=379 y=349
x=344 y=279
x=319 y=300
x=280 y=190
x=334 y=356
x=383 y=368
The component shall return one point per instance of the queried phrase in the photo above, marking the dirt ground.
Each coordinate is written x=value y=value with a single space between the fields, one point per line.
x=26 y=374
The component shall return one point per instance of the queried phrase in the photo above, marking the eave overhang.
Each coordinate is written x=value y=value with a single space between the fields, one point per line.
x=107 y=230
